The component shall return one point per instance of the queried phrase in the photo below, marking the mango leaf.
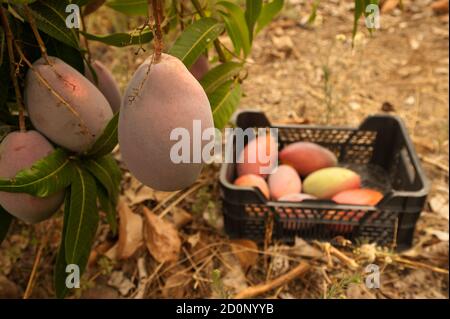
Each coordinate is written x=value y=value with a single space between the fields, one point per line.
x=194 y=40
x=108 y=207
x=50 y=18
x=236 y=26
x=121 y=39
x=224 y=101
x=129 y=7
x=59 y=272
x=268 y=12
x=83 y=218
x=22 y=1
x=219 y=75
x=47 y=176
x=252 y=12
x=107 y=172
x=68 y=54
x=5 y=222
x=107 y=141
x=80 y=3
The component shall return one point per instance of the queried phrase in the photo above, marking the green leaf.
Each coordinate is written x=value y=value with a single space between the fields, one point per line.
x=129 y=7
x=107 y=172
x=122 y=39
x=68 y=54
x=312 y=16
x=107 y=206
x=360 y=9
x=224 y=101
x=80 y=3
x=252 y=12
x=22 y=1
x=47 y=176
x=83 y=218
x=194 y=40
x=107 y=141
x=268 y=12
x=236 y=26
x=59 y=272
x=50 y=18
x=5 y=222
x=219 y=75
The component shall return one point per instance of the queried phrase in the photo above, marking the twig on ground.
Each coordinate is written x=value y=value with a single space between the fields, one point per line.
x=283 y=279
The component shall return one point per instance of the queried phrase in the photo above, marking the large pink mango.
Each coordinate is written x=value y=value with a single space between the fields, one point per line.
x=307 y=157
x=259 y=156
x=157 y=106
x=200 y=67
x=284 y=181
x=18 y=151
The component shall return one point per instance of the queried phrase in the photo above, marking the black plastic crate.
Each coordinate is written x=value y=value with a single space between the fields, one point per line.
x=380 y=144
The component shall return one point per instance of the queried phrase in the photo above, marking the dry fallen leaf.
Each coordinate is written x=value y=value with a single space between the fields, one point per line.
x=112 y=252
x=389 y=5
x=304 y=249
x=246 y=251
x=180 y=217
x=233 y=281
x=137 y=193
x=119 y=281
x=161 y=238
x=130 y=231
x=176 y=285
x=141 y=195
x=440 y=7
x=439 y=205
x=441 y=235
x=194 y=239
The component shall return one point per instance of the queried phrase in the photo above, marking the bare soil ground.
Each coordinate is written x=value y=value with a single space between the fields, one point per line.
x=402 y=69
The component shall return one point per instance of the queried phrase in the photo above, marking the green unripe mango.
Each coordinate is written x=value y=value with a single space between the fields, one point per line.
x=327 y=182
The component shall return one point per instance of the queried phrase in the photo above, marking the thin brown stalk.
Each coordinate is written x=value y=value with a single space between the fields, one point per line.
x=35 y=30
x=85 y=40
x=250 y=292
x=12 y=67
x=157 y=15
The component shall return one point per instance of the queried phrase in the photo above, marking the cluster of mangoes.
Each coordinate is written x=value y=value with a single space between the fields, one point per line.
x=69 y=110
x=66 y=108
x=307 y=171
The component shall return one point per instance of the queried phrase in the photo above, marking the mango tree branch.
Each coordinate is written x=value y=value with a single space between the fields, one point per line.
x=216 y=42
x=157 y=15
x=35 y=30
x=12 y=67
